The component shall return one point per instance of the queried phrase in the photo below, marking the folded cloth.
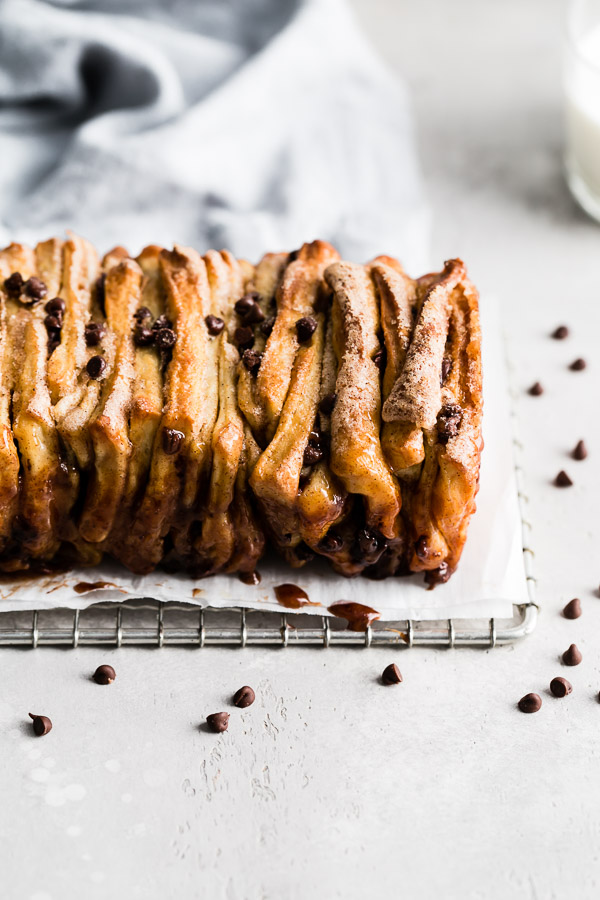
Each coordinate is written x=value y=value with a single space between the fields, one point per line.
x=250 y=124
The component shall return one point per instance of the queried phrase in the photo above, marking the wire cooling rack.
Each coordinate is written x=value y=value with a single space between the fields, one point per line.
x=146 y=622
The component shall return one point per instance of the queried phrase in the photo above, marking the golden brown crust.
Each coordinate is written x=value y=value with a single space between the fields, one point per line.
x=356 y=454
x=354 y=433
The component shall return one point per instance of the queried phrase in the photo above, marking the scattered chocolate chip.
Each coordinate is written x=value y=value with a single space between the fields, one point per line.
x=293 y=256
x=94 y=332
x=172 y=440
x=165 y=338
x=101 y=291
x=35 y=289
x=327 y=403
x=161 y=322
x=562 y=479
x=579 y=451
x=572 y=656
x=560 y=687
x=53 y=324
x=143 y=337
x=218 y=722
x=448 y=422
x=143 y=313
x=391 y=674
x=560 y=333
x=266 y=327
x=379 y=359
x=13 y=285
x=252 y=360
x=331 y=543
x=245 y=303
x=312 y=454
x=446 y=367
x=573 y=609
x=244 y=697
x=104 y=675
x=56 y=305
x=244 y=337
x=305 y=328
x=530 y=703
x=536 y=390
x=578 y=365
x=422 y=547
x=41 y=724
x=95 y=366
x=215 y=325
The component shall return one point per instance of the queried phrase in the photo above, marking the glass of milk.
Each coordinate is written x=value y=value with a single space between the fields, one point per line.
x=582 y=84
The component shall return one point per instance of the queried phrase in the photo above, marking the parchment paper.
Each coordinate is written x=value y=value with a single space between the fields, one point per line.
x=490 y=578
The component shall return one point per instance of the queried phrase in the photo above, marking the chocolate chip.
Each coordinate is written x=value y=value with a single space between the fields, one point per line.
x=56 y=305
x=101 y=291
x=437 y=576
x=172 y=440
x=448 y=422
x=53 y=324
x=245 y=303
x=254 y=315
x=41 y=724
x=161 y=322
x=143 y=337
x=244 y=697
x=35 y=289
x=422 y=547
x=379 y=359
x=446 y=367
x=572 y=656
x=312 y=454
x=530 y=703
x=95 y=366
x=369 y=542
x=215 y=325
x=165 y=338
x=327 y=403
x=293 y=256
x=94 y=332
x=536 y=390
x=143 y=313
x=579 y=451
x=266 y=327
x=560 y=687
x=562 y=479
x=305 y=328
x=331 y=543
x=252 y=360
x=13 y=285
x=578 y=365
x=391 y=674
x=218 y=722
x=244 y=337
x=104 y=675
x=573 y=609
x=560 y=333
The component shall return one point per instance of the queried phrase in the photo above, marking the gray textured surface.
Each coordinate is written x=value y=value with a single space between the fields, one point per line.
x=331 y=785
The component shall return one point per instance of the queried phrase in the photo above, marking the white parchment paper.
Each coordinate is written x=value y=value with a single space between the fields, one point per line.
x=490 y=578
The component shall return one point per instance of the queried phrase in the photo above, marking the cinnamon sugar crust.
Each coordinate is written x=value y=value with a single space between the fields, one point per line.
x=188 y=412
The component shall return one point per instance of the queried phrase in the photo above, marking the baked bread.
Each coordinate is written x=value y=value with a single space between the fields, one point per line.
x=187 y=412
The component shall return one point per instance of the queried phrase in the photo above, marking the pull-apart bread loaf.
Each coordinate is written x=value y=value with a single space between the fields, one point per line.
x=188 y=412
